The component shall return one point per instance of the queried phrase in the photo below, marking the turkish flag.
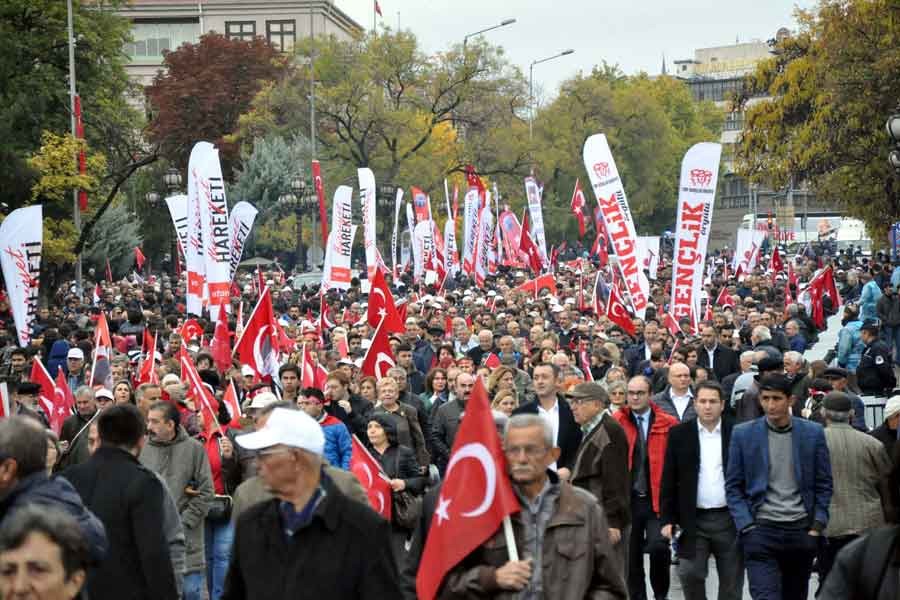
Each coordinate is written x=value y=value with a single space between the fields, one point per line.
x=492 y=361
x=54 y=401
x=258 y=346
x=527 y=245
x=63 y=401
x=307 y=369
x=342 y=347
x=381 y=306
x=139 y=258
x=379 y=357
x=221 y=344
x=100 y=368
x=725 y=298
x=147 y=373
x=372 y=479
x=234 y=407
x=671 y=323
x=534 y=286
x=196 y=389
x=475 y=497
x=585 y=357
x=190 y=330
x=98 y=293
x=378 y=8
x=822 y=283
x=775 y=263
x=616 y=311
x=325 y=323
x=578 y=205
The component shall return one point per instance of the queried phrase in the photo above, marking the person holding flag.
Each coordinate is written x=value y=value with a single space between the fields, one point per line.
x=560 y=535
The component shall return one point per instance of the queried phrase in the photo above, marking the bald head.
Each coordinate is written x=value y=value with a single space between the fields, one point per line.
x=679 y=378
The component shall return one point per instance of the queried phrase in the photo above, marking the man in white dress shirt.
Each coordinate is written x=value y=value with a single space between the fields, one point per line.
x=678 y=399
x=692 y=498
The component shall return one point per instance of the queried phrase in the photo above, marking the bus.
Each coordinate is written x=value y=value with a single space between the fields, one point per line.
x=824 y=227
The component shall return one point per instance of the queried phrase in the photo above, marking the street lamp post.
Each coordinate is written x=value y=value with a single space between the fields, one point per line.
x=531 y=87
x=502 y=23
x=172 y=179
x=76 y=211
x=893 y=129
x=295 y=200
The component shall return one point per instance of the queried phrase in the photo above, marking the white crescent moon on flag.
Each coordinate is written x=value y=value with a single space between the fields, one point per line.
x=257 y=356
x=381 y=357
x=365 y=469
x=380 y=502
x=480 y=453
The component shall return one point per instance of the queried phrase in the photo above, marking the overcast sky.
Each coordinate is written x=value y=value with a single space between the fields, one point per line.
x=631 y=33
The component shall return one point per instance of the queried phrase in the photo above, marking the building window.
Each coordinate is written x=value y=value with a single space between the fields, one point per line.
x=240 y=30
x=281 y=34
x=151 y=39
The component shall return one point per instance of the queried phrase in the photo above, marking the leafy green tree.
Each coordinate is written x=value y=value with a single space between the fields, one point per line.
x=650 y=124
x=114 y=237
x=831 y=88
x=382 y=103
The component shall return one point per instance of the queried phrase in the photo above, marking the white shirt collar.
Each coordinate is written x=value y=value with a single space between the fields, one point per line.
x=716 y=429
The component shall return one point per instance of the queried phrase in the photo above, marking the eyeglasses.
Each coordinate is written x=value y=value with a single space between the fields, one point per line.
x=530 y=451
x=580 y=401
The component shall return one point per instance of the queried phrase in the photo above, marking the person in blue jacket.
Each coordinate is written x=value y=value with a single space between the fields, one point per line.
x=338 y=446
x=850 y=344
x=868 y=298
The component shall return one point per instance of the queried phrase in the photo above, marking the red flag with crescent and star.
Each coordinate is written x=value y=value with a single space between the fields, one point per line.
x=190 y=330
x=259 y=343
x=475 y=498
x=379 y=357
x=616 y=311
x=371 y=478
x=577 y=205
x=381 y=306
x=57 y=403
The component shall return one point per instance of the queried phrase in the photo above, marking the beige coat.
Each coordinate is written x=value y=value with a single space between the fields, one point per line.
x=859 y=467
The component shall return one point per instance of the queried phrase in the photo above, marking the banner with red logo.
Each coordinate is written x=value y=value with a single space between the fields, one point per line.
x=485 y=242
x=336 y=269
x=421 y=205
x=240 y=223
x=511 y=238
x=423 y=247
x=610 y=194
x=215 y=233
x=533 y=192
x=367 y=203
x=193 y=257
x=471 y=207
x=21 y=239
x=696 y=196
x=451 y=254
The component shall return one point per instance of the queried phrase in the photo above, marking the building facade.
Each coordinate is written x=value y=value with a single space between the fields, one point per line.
x=160 y=25
x=716 y=74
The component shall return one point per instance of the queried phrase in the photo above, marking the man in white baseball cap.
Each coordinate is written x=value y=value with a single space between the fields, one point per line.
x=283 y=547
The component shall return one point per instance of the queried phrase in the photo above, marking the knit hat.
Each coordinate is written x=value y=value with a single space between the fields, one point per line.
x=892 y=407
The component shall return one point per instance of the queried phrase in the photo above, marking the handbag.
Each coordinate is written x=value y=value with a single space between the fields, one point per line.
x=407 y=507
x=220 y=508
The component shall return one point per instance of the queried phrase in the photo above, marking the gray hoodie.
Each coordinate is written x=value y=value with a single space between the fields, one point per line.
x=182 y=463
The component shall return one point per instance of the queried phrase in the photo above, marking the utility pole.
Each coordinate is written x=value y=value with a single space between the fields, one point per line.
x=76 y=212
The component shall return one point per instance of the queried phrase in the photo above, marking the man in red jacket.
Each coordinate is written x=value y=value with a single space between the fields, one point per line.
x=647 y=430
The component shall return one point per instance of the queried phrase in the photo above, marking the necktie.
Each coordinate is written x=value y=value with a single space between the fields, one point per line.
x=640 y=420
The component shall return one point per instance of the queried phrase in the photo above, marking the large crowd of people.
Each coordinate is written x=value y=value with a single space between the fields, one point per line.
x=716 y=440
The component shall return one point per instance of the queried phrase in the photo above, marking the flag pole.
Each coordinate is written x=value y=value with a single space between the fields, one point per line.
x=510 y=539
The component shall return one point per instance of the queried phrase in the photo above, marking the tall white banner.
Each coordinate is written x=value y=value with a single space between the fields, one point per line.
x=485 y=240
x=398 y=203
x=194 y=263
x=367 y=203
x=451 y=254
x=418 y=264
x=240 y=223
x=423 y=246
x=648 y=251
x=533 y=193
x=215 y=231
x=470 y=220
x=696 y=197
x=340 y=240
x=336 y=272
x=610 y=194
x=178 y=209
x=21 y=240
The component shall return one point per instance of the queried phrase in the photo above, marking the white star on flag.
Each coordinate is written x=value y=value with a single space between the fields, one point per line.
x=441 y=510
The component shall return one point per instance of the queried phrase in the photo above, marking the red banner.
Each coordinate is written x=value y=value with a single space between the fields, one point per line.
x=320 y=194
